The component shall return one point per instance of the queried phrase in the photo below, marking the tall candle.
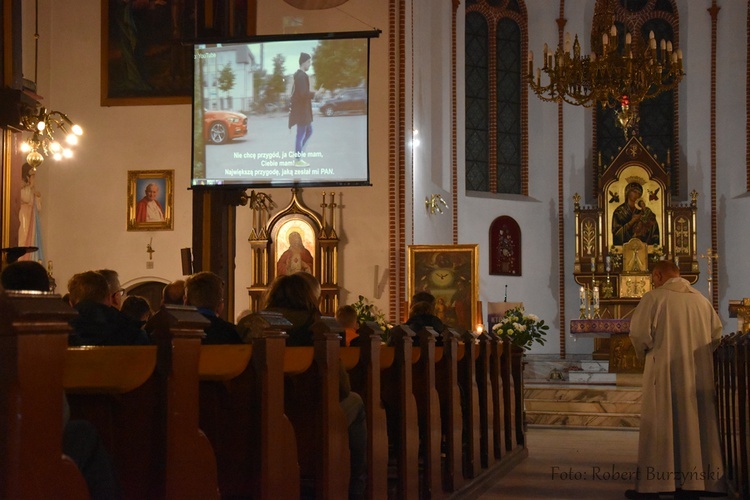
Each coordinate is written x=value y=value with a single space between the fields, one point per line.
x=596 y=297
x=593 y=264
x=582 y=296
x=607 y=260
x=676 y=261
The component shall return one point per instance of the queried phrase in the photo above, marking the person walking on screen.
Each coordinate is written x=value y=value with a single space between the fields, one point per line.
x=301 y=108
x=676 y=329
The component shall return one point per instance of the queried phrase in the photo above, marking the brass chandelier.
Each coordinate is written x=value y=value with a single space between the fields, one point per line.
x=621 y=72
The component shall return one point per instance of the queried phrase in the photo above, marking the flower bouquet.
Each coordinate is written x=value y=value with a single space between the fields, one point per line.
x=521 y=329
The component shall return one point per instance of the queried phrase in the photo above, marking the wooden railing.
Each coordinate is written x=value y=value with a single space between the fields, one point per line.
x=732 y=375
x=440 y=420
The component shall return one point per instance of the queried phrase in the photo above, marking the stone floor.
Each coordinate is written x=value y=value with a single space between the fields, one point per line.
x=569 y=463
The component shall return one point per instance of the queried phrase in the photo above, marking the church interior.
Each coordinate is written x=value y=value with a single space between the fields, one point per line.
x=484 y=187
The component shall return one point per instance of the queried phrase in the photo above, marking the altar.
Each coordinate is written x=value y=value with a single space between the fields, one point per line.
x=633 y=224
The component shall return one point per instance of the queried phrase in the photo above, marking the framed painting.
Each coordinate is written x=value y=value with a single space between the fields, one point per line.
x=150 y=200
x=295 y=246
x=450 y=273
x=505 y=247
x=143 y=59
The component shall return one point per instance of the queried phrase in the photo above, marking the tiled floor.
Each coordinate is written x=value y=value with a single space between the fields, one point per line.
x=566 y=463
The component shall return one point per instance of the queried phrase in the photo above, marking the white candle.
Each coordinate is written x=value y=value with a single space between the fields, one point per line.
x=596 y=297
x=676 y=261
x=607 y=260
x=582 y=296
x=593 y=264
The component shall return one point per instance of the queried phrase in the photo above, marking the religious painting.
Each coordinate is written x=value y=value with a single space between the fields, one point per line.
x=635 y=208
x=450 y=273
x=295 y=244
x=505 y=247
x=150 y=200
x=144 y=59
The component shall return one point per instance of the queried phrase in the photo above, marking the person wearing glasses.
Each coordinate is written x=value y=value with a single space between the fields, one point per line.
x=117 y=293
x=98 y=322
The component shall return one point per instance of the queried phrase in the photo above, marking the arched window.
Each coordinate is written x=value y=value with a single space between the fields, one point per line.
x=658 y=125
x=495 y=38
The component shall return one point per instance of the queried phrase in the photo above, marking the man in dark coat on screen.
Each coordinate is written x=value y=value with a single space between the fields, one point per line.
x=301 y=108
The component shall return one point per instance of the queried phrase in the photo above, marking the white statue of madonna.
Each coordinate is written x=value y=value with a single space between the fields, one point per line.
x=29 y=230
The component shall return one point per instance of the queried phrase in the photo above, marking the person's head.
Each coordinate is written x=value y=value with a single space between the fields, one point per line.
x=305 y=61
x=89 y=285
x=291 y=292
x=25 y=275
x=423 y=297
x=205 y=290
x=347 y=316
x=152 y=190
x=28 y=173
x=113 y=282
x=633 y=191
x=663 y=271
x=136 y=308
x=422 y=307
x=313 y=283
x=295 y=240
x=174 y=293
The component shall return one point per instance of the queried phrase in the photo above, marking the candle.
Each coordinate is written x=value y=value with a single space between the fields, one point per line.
x=608 y=266
x=593 y=264
x=582 y=296
x=676 y=261
x=596 y=297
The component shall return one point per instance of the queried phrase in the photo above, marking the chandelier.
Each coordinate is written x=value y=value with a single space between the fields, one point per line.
x=42 y=141
x=45 y=125
x=621 y=72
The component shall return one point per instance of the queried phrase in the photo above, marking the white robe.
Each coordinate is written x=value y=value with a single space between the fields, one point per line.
x=677 y=329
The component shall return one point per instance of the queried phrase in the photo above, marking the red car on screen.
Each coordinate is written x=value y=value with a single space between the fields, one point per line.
x=222 y=126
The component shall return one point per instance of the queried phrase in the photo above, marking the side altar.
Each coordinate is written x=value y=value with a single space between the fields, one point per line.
x=634 y=223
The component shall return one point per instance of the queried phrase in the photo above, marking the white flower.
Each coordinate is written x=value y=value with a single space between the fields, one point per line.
x=533 y=318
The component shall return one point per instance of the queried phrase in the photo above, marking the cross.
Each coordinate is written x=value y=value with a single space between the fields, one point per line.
x=150 y=250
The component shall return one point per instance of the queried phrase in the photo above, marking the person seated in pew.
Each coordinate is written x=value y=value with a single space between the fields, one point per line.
x=136 y=308
x=422 y=315
x=81 y=441
x=205 y=290
x=98 y=323
x=174 y=293
x=116 y=292
x=297 y=298
x=347 y=317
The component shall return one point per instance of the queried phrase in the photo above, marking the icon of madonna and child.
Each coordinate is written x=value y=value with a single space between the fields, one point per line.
x=633 y=219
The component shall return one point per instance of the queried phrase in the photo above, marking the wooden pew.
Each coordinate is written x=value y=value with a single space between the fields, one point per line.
x=144 y=402
x=509 y=394
x=401 y=410
x=33 y=339
x=242 y=413
x=449 y=394
x=472 y=419
x=312 y=405
x=428 y=413
x=491 y=405
x=363 y=364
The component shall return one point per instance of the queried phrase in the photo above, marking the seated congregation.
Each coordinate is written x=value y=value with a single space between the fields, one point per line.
x=288 y=403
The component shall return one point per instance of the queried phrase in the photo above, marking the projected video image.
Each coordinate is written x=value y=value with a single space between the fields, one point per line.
x=281 y=113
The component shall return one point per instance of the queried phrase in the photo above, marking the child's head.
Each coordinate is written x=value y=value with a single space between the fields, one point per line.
x=347 y=316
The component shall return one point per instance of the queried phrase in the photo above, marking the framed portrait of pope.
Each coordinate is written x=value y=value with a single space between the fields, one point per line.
x=150 y=200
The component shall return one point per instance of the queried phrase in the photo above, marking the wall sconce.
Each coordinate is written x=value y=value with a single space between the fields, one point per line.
x=435 y=204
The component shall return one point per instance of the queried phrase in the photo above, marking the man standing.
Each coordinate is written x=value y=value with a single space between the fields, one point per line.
x=300 y=113
x=149 y=209
x=676 y=330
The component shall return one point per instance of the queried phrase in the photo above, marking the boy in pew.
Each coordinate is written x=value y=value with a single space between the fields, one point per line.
x=205 y=290
x=81 y=441
x=98 y=322
x=347 y=317
x=174 y=293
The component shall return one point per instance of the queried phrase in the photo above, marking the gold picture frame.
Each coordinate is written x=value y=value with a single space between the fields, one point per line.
x=143 y=215
x=451 y=274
